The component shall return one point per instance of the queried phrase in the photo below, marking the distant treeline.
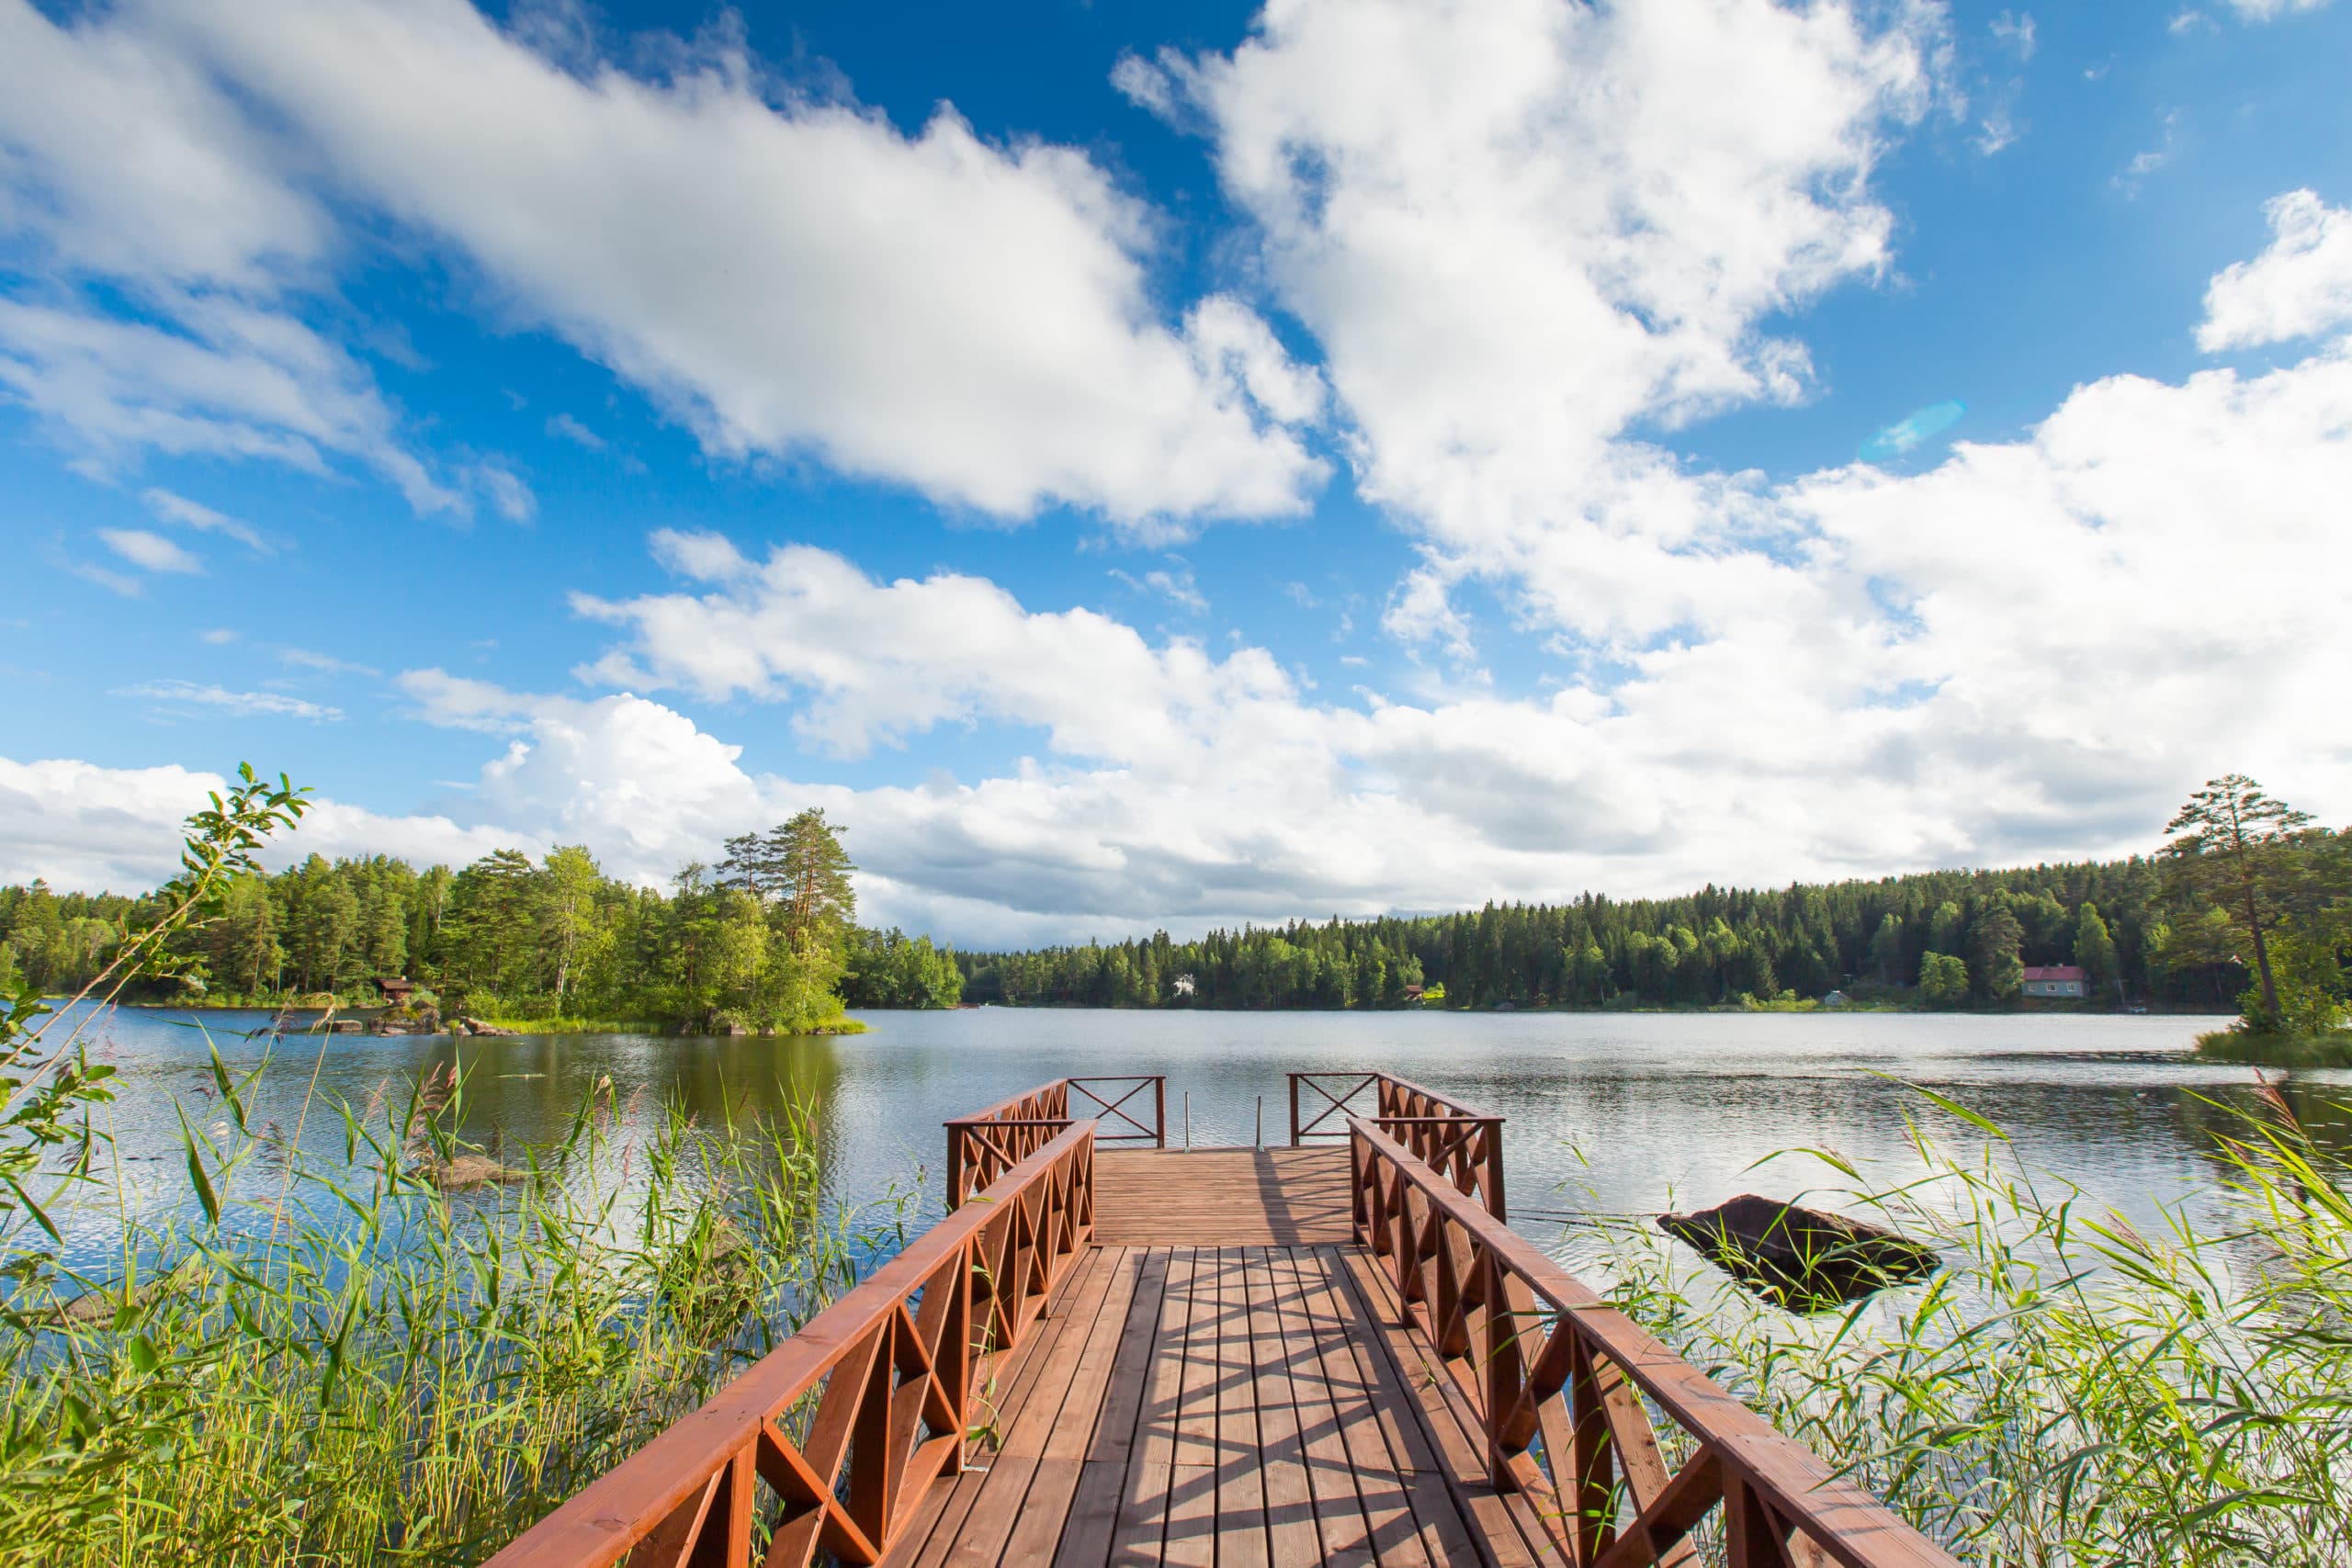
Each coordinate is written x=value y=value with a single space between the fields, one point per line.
x=1715 y=947
x=764 y=940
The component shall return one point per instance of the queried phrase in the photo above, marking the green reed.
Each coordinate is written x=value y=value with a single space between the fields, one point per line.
x=2067 y=1390
x=350 y=1360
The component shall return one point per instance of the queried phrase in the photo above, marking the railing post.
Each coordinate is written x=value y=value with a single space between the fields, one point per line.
x=1494 y=1182
x=954 y=1167
x=1505 y=1366
x=1160 y=1108
x=1293 y=1110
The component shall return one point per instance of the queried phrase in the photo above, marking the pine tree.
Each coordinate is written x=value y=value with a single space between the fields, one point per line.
x=2225 y=850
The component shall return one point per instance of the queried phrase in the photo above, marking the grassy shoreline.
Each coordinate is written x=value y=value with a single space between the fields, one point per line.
x=836 y=1026
x=2277 y=1050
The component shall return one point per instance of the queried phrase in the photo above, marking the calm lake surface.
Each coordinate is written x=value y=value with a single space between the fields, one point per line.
x=1607 y=1113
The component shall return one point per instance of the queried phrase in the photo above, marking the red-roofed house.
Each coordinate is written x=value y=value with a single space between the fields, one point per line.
x=2056 y=980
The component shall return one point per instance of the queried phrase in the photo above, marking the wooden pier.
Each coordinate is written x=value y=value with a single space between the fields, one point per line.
x=1111 y=1352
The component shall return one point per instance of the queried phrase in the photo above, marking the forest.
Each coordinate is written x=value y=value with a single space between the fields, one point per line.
x=763 y=939
x=766 y=940
x=2184 y=929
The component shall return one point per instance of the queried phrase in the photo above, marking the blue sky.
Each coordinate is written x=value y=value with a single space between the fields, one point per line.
x=1224 y=464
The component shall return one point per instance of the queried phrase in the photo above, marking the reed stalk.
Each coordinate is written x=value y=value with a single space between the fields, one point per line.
x=2068 y=1389
x=350 y=1359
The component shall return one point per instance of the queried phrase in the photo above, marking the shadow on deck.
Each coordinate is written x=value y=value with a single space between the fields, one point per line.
x=1223 y=1358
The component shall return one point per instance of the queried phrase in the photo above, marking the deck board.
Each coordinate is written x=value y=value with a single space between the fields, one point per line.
x=1222 y=1197
x=1207 y=1407
x=1212 y=1387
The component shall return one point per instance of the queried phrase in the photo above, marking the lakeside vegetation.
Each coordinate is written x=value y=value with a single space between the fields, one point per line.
x=406 y=1353
x=765 y=940
x=2248 y=906
x=2067 y=1390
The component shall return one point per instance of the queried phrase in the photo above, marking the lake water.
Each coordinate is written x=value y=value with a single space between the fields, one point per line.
x=1613 y=1113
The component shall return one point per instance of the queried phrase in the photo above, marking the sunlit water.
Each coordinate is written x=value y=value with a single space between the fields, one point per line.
x=1607 y=1113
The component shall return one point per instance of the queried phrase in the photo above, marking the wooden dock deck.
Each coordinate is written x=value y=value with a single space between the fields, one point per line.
x=1203 y=1406
x=1222 y=1197
x=1114 y=1355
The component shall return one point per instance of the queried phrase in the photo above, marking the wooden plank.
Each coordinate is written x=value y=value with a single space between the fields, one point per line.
x=1339 y=1513
x=979 y=1537
x=1011 y=1495
x=1142 y=1522
x=1222 y=1197
x=1240 y=1462
x=1501 y=1529
x=1444 y=1536
x=945 y=1518
x=1110 y=1447
x=1197 y=1408
x=1141 y=1531
x=1292 y=1537
x=1075 y=1317
x=1191 y=1541
x=1388 y=1513
x=1047 y=1516
x=1091 y=1370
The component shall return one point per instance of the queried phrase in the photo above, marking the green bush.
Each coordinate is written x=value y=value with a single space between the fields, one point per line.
x=375 y=1362
x=2067 y=1390
x=1943 y=980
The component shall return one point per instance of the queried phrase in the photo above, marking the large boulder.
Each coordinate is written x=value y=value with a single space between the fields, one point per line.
x=1797 y=1257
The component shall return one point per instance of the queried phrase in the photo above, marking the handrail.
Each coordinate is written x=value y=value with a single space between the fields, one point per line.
x=1461 y=1140
x=1555 y=1375
x=902 y=1360
x=984 y=1146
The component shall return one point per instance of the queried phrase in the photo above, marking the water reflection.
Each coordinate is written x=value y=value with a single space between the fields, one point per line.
x=1619 y=1115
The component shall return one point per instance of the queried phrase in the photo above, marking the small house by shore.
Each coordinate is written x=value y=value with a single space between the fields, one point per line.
x=2056 y=980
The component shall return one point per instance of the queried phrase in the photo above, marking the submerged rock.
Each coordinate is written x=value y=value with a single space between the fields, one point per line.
x=465 y=1171
x=101 y=1304
x=1797 y=1257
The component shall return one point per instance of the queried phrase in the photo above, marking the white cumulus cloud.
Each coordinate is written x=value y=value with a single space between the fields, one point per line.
x=794 y=276
x=1522 y=231
x=2299 y=287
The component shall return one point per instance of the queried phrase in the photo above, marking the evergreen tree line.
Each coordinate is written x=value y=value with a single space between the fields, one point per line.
x=2248 y=905
x=764 y=940
x=1960 y=938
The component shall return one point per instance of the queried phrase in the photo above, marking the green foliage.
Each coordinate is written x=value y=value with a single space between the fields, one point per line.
x=1706 y=949
x=2253 y=876
x=357 y=1361
x=1995 y=942
x=503 y=937
x=48 y=1088
x=2231 y=849
x=2067 y=1390
x=1943 y=980
x=2094 y=951
x=890 y=969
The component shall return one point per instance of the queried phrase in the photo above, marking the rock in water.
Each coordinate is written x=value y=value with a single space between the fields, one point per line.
x=1797 y=1257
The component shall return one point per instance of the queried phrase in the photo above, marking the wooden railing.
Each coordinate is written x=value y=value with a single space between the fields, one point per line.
x=828 y=1442
x=1461 y=1141
x=1556 y=1379
x=984 y=1146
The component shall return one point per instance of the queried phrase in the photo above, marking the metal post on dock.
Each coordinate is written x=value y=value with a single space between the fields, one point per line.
x=1261 y=1121
x=1188 y=1120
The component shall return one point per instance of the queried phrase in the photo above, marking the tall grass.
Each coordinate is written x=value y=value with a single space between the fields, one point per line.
x=2068 y=1389
x=349 y=1360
